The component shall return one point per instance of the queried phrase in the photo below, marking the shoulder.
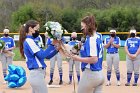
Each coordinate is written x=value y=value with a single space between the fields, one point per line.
x=10 y=38
x=29 y=40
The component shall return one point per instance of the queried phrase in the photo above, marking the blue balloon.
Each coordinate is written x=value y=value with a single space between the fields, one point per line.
x=12 y=85
x=7 y=78
x=20 y=71
x=21 y=81
x=14 y=77
x=12 y=69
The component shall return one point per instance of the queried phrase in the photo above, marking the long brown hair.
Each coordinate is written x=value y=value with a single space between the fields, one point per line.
x=90 y=24
x=24 y=29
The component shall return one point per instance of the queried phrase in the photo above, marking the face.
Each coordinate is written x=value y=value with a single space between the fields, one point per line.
x=6 y=33
x=36 y=28
x=32 y=30
x=83 y=27
x=112 y=34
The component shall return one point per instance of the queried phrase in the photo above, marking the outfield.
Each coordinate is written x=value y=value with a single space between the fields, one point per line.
x=121 y=52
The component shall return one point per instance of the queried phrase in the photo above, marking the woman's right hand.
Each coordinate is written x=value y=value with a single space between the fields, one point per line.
x=132 y=56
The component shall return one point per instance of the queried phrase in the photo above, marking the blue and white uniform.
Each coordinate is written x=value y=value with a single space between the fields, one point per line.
x=132 y=45
x=112 y=58
x=93 y=72
x=73 y=62
x=5 y=58
x=39 y=41
x=55 y=58
x=35 y=62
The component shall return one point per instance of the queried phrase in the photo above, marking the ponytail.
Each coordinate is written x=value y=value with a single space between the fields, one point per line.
x=22 y=37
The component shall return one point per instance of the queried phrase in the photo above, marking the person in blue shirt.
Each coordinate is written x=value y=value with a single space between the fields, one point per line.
x=91 y=57
x=72 y=62
x=112 y=45
x=6 y=55
x=132 y=47
x=53 y=60
x=35 y=56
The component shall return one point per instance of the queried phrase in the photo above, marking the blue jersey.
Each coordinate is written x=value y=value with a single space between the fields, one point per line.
x=9 y=42
x=100 y=35
x=73 y=43
x=35 y=55
x=49 y=41
x=92 y=47
x=132 y=44
x=38 y=40
x=112 y=49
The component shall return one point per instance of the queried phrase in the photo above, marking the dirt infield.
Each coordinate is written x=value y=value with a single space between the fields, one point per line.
x=65 y=88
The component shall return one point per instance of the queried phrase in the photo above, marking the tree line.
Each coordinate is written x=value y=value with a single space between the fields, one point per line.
x=121 y=15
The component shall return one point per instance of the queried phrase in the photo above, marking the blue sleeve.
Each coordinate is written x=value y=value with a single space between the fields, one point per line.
x=48 y=53
x=12 y=43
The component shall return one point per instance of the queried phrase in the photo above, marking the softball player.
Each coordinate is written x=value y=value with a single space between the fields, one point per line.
x=132 y=58
x=112 y=45
x=35 y=56
x=9 y=46
x=91 y=57
x=55 y=58
x=71 y=61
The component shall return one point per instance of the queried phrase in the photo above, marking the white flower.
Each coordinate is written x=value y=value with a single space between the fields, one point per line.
x=52 y=32
x=47 y=28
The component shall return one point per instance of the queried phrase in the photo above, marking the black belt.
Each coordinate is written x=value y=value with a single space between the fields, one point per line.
x=112 y=52
x=37 y=68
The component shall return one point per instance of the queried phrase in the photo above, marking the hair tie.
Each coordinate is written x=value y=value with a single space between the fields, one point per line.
x=24 y=25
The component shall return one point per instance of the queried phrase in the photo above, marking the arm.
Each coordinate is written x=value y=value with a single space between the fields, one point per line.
x=126 y=50
x=12 y=48
x=138 y=52
x=106 y=45
x=90 y=60
x=116 y=45
x=48 y=53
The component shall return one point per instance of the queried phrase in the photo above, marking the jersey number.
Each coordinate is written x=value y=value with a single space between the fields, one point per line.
x=101 y=51
x=132 y=45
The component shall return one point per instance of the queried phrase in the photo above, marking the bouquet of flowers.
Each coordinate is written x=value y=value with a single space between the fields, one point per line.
x=56 y=31
x=2 y=44
x=75 y=49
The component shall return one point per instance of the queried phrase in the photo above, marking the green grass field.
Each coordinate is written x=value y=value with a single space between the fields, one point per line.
x=17 y=56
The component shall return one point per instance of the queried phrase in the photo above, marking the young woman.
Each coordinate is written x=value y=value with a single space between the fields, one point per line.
x=35 y=55
x=112 y=44
x=91 y=57
x=72 y=62
x=7 y=59
x=132 y=47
